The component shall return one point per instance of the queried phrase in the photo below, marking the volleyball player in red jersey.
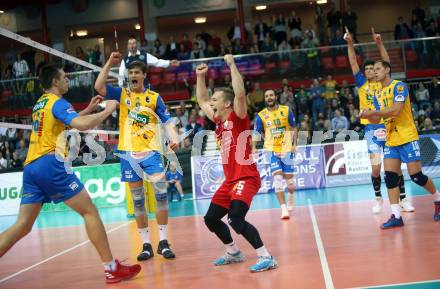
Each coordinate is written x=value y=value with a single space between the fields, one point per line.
x=227 y=108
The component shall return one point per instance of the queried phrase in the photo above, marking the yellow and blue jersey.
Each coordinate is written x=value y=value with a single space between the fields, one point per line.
x=400 y=129
x=277 y=127
x=367 y=91
x=50 y=116
x=140 y=119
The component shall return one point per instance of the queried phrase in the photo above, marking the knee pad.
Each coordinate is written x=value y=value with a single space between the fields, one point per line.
x=291 y=184
x=376 y=182
x=237 y=223
x=419 y=178
x=278 y=183
x=391 y=179
x=138 y=197
x=160 y=193
x=211 y=223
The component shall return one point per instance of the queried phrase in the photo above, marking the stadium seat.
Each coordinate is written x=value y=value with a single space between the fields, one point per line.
x=181 y=76
x=327 y=63
x=285 y=64
x=213 y=73
x=155 y=70
x=341 y=62
x=155 y=79
x=411 y=55
x=169 y=78
x=269 y=66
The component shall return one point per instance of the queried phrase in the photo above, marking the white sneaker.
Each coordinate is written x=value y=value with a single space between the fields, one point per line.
x=406 y=206
x=284 y=215
x=290 y=202
x=378 y=206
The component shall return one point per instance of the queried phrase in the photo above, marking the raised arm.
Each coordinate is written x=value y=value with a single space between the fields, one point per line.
x=97 y=99
x=351 y=53
x=101 y=81
x=383 y=52
x=202 y=91
x=240 y=105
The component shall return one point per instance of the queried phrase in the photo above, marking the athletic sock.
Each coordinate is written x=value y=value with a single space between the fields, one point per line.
x=395 y=209
x=436 y=196
x=262 y=252
x=145 y=235
x=232 y=248
x=110 y=266
x=162 y=232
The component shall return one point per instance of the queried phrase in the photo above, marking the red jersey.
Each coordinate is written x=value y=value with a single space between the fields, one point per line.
x=235 y=149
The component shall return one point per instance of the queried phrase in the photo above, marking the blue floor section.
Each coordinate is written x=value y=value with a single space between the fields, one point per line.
x=199 y=207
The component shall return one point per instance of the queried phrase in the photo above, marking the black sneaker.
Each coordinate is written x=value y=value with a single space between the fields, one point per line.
x=165 y=250
x=147 y=252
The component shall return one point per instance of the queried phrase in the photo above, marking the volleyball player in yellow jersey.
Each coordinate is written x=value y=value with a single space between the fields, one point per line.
x=402 y=141
x=141 y=113
x=45 y=177
x=375 y=134
x=278 y=124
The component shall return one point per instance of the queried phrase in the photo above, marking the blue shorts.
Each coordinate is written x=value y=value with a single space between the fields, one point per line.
x=134 y=165
x=375 y=134
x=46 y=180
x=409 y=152
x=282 y=162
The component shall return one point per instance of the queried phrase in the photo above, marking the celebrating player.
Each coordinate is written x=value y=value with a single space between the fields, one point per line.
x=227 y=108
x=280 y=138
x=375 y=134
x=402 y=145
x=140 y=143
x=45 y=178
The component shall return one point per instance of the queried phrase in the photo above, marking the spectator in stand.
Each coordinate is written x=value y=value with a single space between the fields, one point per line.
x=260 y=31
x=197 y=52
x=174 y=183
x=20 y=68
x=286 y=92
x=16 y=162
x=158 y=49
x=3 y=162
x=317 y=96
x=291 y=102
x=216 y=42
x=227 y=81
x=200 y=41
x=339 y=122
x=349 y=19
x=338 y=40
x=329 y=88
x=280 y=29
x=284 y=50
x=333 y=19
x=186 y=43
x=11 y=134
x=298 y=60
x=235 y=32
x=402 y=30
x=294 y=25
x=419 y=13
x=312 y=54
x=79 y=53
x=99 y=56
x=355 y=121
x=256 y=98
x=29 y=57
x=268 y=46
x=435 y=89
x=237 y=47
x=3 y=129
x=321 y=24
x=7 y=150
x=210 y=52
x=171 y=50
x=183 y=119
x=21 y=150
x=182 y=54
x=206 y=37
x=192 y=125
x=224 y=50
x=435 y=113
x=422 y=96
x=302 y=97
x=427 y=125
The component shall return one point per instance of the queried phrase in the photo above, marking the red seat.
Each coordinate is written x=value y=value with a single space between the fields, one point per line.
x=341 y=62
x=183 y=75
x=155 y=70
x=411 y=55
x=213 y=73
x=255 y=69
x=285 y=64
x=324 y=49
x=155 y=79
x=327 y=63
x=269 y=66
x=169 y=78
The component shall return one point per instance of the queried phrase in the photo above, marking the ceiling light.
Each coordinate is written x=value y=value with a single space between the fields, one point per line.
x=260 y=7
x=1 y=11
x=199 y=20
x=321 y=2
x=137 y=27
x=82 y=33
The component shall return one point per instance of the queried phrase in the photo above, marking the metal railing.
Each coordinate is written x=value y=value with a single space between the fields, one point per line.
x=296 y=64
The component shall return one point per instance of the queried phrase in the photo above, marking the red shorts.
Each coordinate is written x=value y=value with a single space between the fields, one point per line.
x=244 y=190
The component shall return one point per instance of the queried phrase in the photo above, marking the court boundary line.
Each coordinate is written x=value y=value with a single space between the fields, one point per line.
x=321 y=251
x=59 y=254
x=396 y=284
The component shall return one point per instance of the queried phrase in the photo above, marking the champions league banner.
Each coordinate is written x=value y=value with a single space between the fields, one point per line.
x=309 y=170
